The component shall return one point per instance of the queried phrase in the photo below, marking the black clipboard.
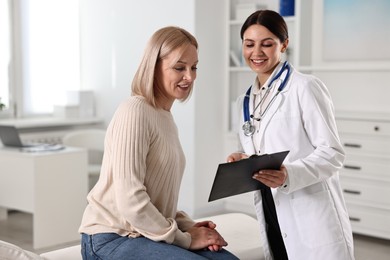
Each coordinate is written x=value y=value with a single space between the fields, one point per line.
x=236 y=177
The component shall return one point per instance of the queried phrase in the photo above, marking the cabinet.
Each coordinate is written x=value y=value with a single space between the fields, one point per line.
x=49 y=129
x=365 y=177
x=51 y=185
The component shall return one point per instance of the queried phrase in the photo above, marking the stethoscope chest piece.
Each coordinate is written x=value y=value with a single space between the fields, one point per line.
x=248 y=128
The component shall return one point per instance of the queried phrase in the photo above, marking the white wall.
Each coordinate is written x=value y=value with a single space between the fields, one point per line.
x=209 y=132
x=113 y=37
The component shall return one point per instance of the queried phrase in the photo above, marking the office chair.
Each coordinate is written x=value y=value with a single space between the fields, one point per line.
x=93 y=141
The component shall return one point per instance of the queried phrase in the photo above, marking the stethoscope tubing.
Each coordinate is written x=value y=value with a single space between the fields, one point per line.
x=248 y=125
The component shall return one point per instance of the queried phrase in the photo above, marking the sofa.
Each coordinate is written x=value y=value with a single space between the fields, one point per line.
x=239 y=230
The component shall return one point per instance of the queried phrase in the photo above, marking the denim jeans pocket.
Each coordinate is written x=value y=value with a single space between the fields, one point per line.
x=104 y=244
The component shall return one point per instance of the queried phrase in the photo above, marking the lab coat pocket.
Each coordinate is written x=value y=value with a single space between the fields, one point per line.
x=286 y=120
x=286 y=114
x=317 y=220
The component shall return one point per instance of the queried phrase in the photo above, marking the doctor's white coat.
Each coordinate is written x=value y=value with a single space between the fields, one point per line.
x=310 y=206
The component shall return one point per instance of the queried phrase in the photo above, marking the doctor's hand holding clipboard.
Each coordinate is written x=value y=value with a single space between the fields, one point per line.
x=234 y=178
x=269 y=177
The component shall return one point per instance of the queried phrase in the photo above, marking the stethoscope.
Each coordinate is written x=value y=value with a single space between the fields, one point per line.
x=248 y=126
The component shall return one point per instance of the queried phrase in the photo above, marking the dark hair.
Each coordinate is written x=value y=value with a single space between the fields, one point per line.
x=273 y=21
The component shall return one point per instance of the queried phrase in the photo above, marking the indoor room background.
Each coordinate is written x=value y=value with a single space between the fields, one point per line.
x=345 y=43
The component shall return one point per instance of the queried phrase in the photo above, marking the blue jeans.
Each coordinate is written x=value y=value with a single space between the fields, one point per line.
x=113 y=246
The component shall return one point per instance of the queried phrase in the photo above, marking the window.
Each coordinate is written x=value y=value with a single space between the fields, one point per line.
x=348 y=37
x=5 y=52
x=45 y=60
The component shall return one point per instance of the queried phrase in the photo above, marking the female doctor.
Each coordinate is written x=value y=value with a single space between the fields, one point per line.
x=286 y=110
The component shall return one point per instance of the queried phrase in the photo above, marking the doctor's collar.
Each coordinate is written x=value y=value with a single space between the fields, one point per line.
x=257 y=89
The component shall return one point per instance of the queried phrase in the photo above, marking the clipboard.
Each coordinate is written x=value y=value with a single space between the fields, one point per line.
x=236 y=177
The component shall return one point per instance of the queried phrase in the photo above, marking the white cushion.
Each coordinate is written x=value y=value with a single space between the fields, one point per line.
x=68 y=253
x=12 y=252
x=239 y=230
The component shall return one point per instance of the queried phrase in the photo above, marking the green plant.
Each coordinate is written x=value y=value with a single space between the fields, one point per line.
x=2 y=106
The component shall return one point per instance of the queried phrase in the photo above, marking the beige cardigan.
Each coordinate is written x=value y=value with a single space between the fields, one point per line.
x=143 y=164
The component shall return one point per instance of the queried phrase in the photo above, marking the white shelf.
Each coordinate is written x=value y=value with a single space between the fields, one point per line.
x=38 y=122
x=363 y=116
x=341 y=68
x=289 y=19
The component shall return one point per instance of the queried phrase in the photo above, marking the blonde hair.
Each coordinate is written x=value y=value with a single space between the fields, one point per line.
x=161 y=44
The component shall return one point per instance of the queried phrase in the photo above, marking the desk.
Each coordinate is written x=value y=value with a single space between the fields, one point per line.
x=49 y=129
x=50 y=185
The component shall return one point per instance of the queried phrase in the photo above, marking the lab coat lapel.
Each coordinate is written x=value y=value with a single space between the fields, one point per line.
x=277 y=103
x=247 y=144
x=270 y=113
